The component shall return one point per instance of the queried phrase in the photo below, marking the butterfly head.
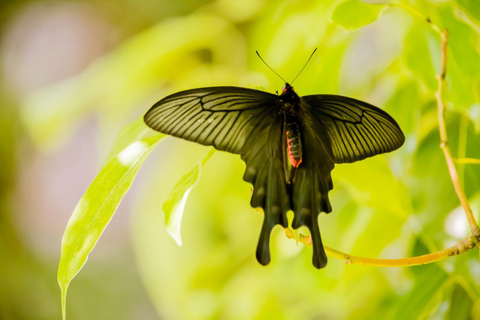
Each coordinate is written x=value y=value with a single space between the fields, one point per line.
x=287 y=88
x=289 y=95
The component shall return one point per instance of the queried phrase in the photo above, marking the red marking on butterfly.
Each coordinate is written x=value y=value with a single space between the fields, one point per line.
x=295 y=162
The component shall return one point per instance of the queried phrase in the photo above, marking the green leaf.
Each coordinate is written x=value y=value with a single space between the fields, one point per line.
x=461 y=304
x=476 y=310
x=354 y=14
x=372 y=183
x=97 y=206
x=417 y=56
x=137 y=130
x=174 y=206
x=423 y=298
x=462 y=88
x=471 y=8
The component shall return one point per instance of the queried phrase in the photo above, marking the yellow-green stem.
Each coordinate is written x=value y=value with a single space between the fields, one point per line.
x=467 y=161
x=461 y=247
x=444 y=139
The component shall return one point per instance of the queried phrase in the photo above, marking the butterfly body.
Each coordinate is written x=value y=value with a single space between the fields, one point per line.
x=290 y=145
x=289 y=106
x=293 y=143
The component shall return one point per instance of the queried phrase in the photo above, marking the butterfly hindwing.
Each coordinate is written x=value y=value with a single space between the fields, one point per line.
x=310 y=191
x=264 y=170
x=223 y=117
x=356 y=130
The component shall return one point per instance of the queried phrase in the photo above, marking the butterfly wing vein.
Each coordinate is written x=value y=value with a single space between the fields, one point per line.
x=356 y=130
x=219 y=116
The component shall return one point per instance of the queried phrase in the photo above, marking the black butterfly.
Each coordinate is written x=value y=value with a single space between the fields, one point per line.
x=290 y=144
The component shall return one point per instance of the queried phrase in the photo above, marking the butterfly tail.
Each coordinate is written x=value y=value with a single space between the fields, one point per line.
x=309 y=201
x=263 y=247
x=319 y=255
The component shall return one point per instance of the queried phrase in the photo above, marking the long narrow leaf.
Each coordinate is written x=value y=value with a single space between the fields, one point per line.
x=174 y=206
x=97 y=206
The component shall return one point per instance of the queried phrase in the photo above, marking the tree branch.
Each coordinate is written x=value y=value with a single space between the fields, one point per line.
x=464 y=245
x=444 y=139
x=461 y=247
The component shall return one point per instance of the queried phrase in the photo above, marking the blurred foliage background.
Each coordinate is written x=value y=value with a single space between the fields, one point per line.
x=74 y=73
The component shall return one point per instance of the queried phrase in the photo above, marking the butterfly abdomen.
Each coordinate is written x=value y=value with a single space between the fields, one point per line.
x=294 y=144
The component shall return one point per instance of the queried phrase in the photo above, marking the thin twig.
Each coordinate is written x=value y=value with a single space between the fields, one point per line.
x=467 y=161
x=444 y=139
x=461 y=247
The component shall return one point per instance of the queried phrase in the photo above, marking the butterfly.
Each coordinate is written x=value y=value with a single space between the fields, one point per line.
x=290 y=145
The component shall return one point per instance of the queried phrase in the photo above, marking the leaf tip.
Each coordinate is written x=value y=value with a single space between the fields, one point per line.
x=176 y=235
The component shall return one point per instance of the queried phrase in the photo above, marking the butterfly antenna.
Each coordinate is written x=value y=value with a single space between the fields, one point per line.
x=258 y=54
x=304 y=66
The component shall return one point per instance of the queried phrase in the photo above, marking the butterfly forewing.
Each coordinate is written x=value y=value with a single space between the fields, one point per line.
x=220 y=116
x=236 y=120
x=356 y=129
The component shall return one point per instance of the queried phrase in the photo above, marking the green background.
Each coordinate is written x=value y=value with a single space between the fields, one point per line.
x=73 y=74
